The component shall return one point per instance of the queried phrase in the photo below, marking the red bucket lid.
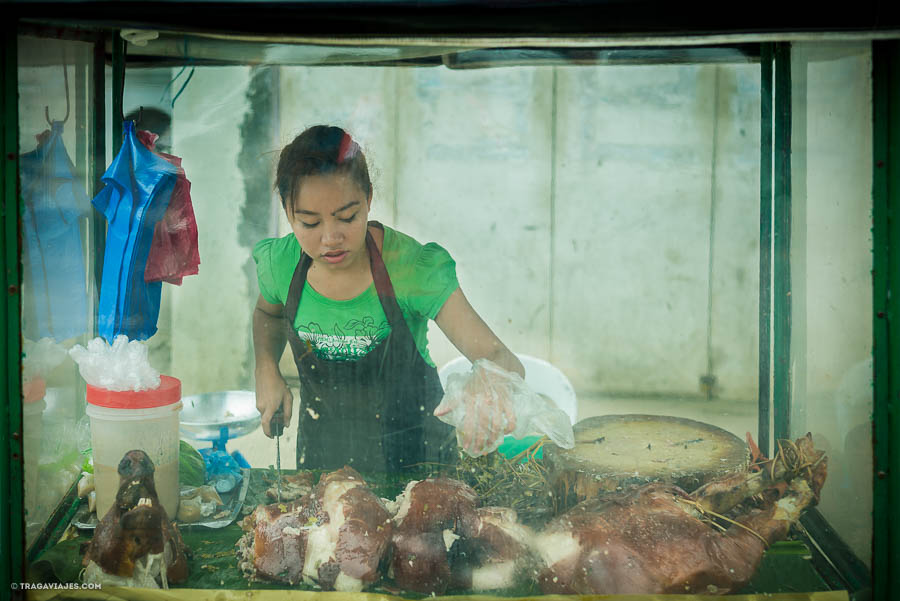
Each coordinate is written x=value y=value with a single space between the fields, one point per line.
x=167 y=393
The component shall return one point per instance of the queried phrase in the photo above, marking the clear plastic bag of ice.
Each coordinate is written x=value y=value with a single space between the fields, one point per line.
x=122 y=365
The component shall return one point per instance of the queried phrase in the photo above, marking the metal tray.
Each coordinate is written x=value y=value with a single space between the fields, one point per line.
x=204 y=416
x=234 y=500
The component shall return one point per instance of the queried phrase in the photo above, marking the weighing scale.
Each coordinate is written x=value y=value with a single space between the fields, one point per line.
x=217 y=417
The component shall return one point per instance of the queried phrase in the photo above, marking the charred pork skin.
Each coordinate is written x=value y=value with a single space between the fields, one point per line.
x=334 y=537
x=443 y=540
x=659 y=539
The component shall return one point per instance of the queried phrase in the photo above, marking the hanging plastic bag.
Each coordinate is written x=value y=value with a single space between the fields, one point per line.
x=138 y=188
x=174 y=252
x=52 y=256
x=489 y=402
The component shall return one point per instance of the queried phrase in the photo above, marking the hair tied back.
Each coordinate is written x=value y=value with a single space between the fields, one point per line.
x=347 y=149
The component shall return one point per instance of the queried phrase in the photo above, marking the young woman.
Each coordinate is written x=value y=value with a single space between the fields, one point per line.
x=354 y=298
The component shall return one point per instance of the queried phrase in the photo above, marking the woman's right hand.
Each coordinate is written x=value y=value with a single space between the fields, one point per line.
x=272 y=393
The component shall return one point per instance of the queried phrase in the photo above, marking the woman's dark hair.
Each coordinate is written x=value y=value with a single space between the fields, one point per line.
x=320 y=150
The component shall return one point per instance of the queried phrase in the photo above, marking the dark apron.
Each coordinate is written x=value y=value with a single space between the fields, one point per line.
x=375 y=413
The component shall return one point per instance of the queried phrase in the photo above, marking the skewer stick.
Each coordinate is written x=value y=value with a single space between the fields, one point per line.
x=703 y=511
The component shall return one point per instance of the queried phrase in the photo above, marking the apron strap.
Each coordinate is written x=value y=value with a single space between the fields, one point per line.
x=383 y=287
x=296 y=290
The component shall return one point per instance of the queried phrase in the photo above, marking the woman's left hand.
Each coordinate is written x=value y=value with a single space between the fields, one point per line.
x=487 y=408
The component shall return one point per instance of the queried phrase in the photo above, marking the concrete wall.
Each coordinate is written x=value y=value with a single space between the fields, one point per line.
x=211 y=310
x=476 y=177
x=643 y=186
x=587 y=196
x=590 y=196
x=604 y=218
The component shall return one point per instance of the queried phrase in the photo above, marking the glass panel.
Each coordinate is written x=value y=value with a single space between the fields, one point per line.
x=603 y=221
x=615 y=207
x=57 y=269
x=831 y=263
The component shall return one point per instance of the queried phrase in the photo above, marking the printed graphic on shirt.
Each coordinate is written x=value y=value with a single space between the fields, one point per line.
x=349 y=342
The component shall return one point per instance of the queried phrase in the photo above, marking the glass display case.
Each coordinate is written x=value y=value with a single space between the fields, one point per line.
x=680 y=242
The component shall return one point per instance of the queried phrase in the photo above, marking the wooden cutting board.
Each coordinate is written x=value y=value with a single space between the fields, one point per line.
x=613 y=452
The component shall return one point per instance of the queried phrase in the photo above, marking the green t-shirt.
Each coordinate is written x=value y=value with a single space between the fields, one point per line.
x=423 y=277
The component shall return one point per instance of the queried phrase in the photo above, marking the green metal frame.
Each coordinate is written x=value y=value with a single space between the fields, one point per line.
x=886 y=317
x=767 y=53
x=97 y=145
x=12 y=524
x=118 y=90
x=781 y=237
x=775 y=229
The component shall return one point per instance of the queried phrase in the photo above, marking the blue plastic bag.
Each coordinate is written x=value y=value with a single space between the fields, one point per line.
x=53 y=258
x=138 y=188
x=222 y=471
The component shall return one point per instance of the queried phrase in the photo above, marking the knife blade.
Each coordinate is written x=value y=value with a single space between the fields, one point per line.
x=276 y=425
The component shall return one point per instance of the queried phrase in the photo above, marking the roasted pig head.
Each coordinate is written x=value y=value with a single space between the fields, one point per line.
x=135 y=543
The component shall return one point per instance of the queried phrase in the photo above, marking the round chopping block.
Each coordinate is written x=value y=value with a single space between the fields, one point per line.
x=613 y=452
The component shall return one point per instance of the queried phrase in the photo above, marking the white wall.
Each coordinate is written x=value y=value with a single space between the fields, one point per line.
x=580 y=203
x=476 y=163
x=211 y=310
x=634 y=213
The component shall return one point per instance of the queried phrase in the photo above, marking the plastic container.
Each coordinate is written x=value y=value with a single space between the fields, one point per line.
x=33 y=407
x=128 y=420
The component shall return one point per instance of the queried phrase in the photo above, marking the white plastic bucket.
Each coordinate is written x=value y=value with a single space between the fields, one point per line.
x=125 y=421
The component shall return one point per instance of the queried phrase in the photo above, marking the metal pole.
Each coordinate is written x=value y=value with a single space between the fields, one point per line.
x=886 y=318
x=782 y=244
x=12 y=523
x=118 y=90
x=97 y=164
x=765 y=248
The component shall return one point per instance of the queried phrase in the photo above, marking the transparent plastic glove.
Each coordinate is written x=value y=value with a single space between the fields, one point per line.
x=490 y=402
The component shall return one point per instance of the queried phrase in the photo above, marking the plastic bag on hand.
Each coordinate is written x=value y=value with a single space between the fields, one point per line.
x=508 y=401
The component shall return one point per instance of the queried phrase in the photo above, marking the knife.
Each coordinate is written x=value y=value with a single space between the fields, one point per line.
x=276 y=426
